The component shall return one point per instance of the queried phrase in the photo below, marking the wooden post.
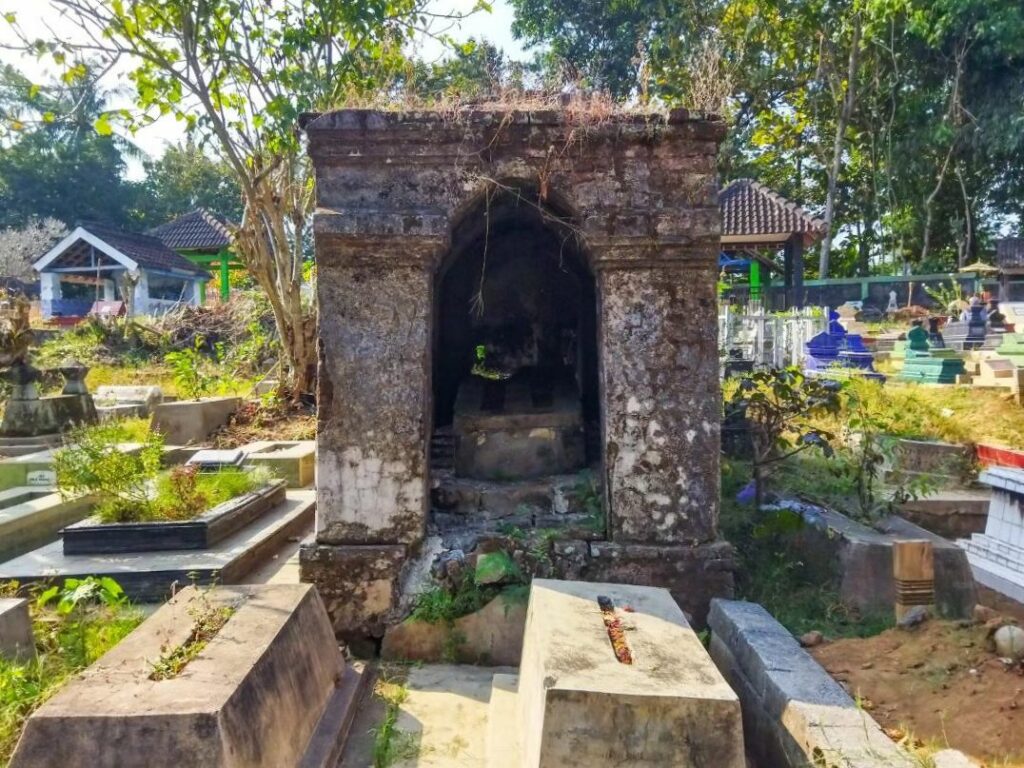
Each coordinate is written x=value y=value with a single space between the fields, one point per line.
x=913 y=566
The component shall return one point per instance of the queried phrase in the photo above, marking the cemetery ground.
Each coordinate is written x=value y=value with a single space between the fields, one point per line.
x=930 y=687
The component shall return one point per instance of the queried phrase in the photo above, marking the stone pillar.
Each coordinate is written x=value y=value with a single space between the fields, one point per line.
x=49 y=292
x=375 y=300
x=658 y=329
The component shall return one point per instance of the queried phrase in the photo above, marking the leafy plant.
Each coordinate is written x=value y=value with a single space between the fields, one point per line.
x=184 y=492
x=946 y=296
x=76 y=623
x=391 y=744
x=588 y=492
x=93 y=462
x=207 y=620
x=190 y=371
x=778 y=405
x=874 y=450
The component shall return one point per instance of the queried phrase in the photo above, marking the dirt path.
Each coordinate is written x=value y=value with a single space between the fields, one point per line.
x=941 y=684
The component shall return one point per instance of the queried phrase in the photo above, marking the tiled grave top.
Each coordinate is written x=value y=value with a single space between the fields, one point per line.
x=214 y=459
x=1004 y=478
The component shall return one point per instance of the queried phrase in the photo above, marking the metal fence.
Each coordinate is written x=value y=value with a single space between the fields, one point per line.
x=770 y=340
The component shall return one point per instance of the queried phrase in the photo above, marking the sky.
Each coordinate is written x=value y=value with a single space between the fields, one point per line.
x=37 y=16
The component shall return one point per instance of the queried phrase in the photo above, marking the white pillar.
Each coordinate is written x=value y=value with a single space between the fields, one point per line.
x=197 y=292
x=142 y=294
x=109 y=291
x=49 y=292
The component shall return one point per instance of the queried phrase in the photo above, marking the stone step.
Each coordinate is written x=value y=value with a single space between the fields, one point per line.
x=503 y=748
x=1005 y=580
x=995 y=550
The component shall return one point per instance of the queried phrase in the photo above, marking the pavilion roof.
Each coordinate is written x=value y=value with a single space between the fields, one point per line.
x=90 y=244
x=200 y=230
x=753 y=214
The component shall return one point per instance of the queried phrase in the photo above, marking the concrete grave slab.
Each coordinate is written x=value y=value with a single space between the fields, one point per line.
x=579 y=704
x=794 y=713
x=293 y=461
x=36 y=466
x=93 y=537
x=114 y=395
x=31 y=517
x=192 y=421
x=149 y=576
x=17 y=643
x=254 y=696
x=863 y=556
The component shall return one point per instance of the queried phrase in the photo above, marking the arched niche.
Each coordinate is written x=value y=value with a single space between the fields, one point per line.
x=515 y=319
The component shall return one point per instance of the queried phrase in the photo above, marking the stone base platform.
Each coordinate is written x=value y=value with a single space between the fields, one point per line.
x=149 y=576
x=269 y=689
x=362 y=584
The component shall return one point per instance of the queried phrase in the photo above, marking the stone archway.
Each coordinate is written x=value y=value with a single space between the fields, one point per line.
x=399 y=212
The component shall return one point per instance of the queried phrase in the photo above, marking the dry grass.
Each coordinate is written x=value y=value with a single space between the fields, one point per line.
x=949 y=414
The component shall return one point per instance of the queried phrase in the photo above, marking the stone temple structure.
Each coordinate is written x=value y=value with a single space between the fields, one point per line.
x=537 y=288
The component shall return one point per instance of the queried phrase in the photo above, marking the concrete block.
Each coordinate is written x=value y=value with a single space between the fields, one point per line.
x=17 y=642
x=579 y=705
x=863 y=556
x=254 y=696
x=293 y=462
x=35 y=517
x=492 y=636
x=112 y=395
x=192 y=421
x=794 y=713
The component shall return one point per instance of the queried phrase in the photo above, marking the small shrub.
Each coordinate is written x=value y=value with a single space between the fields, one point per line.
x=207 y=620
x=73 y=624
x=92 y=462
x=778 y=405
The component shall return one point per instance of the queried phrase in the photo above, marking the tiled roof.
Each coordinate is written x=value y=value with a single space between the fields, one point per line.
x=148 y=252
x=749 y=208
x=199 y=230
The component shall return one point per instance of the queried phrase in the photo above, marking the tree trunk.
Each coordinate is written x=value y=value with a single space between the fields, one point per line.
x=269 y=242
x=845 y=113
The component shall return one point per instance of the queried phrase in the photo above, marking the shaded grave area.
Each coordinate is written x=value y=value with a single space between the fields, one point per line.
x=515 y=373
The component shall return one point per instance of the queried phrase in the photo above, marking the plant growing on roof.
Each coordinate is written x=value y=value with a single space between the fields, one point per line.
x=778 y=405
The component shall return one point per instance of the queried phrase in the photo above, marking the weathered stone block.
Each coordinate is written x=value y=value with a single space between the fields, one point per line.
x=492 y=636
x=17 y=643
x=863 y=557
x=579 y=705
x=358 y=584
x=293 y=462
x=693 y=574
x=192 y=421
x=794 y=713
x=254 y=696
